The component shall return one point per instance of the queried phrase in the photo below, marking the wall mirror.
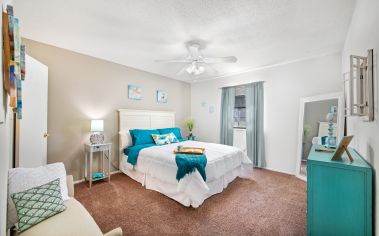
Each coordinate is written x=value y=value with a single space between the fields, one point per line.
x=314 y=125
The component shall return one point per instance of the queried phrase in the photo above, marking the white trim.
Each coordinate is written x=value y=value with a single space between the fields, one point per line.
x=82 y=180
x=302 y=177
x=340 y=122
x=280 y=171
x=264 y=67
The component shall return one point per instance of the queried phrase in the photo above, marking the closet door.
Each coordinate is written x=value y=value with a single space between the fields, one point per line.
x=31 y=130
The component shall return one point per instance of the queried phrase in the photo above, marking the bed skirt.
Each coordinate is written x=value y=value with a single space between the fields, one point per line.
x=190 y=190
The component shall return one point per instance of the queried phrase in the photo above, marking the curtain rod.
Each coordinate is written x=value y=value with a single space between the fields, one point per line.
x=242 y=84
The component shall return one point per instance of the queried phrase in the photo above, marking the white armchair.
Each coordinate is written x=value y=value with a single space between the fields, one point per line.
x=75 y=220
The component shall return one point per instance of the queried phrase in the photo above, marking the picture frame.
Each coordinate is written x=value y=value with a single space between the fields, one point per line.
x=162 y=96
x=134 y=92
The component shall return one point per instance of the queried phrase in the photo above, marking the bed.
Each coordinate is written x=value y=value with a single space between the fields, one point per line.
x=156 y=167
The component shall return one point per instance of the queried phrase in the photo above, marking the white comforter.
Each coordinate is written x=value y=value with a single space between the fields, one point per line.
x=159 y=163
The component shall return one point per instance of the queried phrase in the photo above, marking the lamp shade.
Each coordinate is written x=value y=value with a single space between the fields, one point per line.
x=97 y=125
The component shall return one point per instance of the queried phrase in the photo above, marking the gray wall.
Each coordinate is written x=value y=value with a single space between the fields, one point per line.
x=363 y=34
x=315 y=112
x=284 y=86
x=82 y=88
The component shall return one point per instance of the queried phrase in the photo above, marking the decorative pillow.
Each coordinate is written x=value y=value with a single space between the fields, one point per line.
x=125 y=139
x=172 y=138
x=176 y=131
x=132 y=136
x=21 y=179
x=143 y=136
x=37 y=204
x=161 y=139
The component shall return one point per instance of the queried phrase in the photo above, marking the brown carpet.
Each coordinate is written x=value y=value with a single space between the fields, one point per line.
x=271 y=204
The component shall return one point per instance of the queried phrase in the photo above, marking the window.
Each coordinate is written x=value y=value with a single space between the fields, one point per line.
x=240 y=108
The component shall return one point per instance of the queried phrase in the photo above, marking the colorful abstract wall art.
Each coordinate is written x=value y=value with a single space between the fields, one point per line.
x=13 y=60
x=134 y=92
x=23 y=55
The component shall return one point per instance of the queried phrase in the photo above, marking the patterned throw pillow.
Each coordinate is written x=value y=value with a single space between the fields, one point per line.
x=37 y=204
x=172 y=138
x=161 y=139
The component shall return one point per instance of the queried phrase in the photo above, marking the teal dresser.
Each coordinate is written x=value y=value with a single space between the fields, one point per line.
x=339 y=195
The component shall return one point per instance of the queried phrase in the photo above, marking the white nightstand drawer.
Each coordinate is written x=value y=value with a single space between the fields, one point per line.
x=99 y=148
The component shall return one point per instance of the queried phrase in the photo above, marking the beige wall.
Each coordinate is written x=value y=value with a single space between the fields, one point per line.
x=83 y=88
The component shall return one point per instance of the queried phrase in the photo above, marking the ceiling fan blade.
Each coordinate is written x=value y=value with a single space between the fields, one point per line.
x=175 y=61
x=230 y=59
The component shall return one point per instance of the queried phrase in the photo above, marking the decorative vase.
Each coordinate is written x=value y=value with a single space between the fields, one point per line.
x=97 y=138
x=331 y=140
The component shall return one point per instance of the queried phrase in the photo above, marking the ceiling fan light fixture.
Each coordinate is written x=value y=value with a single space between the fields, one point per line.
x=195 y=69
x=191 y=69
x=199 y=70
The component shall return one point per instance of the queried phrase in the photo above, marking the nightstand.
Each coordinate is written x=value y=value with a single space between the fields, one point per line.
x=193 y=138
x=105 y=153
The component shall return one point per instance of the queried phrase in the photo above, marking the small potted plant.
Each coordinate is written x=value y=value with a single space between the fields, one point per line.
x=190 y=123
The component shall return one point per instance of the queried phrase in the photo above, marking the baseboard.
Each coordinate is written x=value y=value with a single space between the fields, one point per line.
x=280 y=171
x=82 y=180
x=304 y=178
x=267 y=168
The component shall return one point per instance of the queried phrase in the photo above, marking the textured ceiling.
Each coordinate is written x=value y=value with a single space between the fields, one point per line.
x=137 y=32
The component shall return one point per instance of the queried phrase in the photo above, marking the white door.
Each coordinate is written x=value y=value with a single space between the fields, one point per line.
x=31 y=131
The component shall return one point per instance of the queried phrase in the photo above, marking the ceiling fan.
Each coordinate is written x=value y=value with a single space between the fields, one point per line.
x=196 y=61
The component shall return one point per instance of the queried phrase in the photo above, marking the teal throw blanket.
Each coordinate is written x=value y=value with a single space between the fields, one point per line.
x=133 y=152
x=187 y=163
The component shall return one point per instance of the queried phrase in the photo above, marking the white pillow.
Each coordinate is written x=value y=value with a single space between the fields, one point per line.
x=21 y=179
x=125 y=139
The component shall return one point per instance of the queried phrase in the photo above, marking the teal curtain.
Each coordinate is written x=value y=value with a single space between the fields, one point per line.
x=254 y=124
x=227 y=115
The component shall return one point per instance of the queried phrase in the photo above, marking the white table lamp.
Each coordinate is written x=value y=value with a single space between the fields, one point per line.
x=97 y=129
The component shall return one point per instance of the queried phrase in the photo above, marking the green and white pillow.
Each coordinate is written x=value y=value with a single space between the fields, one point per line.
x=161 y=139
x=38 y=204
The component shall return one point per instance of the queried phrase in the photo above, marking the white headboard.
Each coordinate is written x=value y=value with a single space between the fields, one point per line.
x=141 y=119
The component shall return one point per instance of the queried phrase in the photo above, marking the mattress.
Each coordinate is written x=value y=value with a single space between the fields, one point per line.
x=156 y=169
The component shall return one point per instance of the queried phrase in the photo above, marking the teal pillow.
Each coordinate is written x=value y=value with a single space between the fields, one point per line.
x=161 y=139
x=176 y=131
x=143 y=136
x=132 y=135
x=38 y=204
